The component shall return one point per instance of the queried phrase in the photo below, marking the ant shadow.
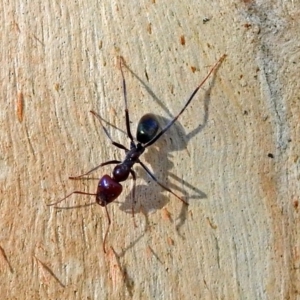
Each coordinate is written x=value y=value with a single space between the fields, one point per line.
x=160 y=157
x=151 y=197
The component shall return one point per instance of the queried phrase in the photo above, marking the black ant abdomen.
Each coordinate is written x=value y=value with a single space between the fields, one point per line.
x=147 y=128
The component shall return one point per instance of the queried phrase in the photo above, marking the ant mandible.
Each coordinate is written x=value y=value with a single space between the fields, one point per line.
x=109 y=187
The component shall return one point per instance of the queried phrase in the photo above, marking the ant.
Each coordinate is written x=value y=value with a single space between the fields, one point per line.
x=109 y=187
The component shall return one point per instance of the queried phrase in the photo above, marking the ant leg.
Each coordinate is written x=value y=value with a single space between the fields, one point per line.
x=125 y=100
x=94 y=169
x=76 y=192
x=107 y=229
x=90 y=194
x=108 y=124
x=162 y=185
x=187 y=103
x=133 y=195
x=106 y=132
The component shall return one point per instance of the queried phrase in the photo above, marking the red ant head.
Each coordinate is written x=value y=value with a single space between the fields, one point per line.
x=108 y=190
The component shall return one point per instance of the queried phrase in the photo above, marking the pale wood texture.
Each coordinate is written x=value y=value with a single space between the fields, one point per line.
x=234 y=153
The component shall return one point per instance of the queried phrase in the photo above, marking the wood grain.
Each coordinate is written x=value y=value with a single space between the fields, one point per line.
x=234 y=153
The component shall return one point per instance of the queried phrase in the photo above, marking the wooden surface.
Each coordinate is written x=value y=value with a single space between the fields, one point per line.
x=234 y=153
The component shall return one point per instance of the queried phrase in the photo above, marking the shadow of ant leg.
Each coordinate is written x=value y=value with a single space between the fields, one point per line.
x=162 y=185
